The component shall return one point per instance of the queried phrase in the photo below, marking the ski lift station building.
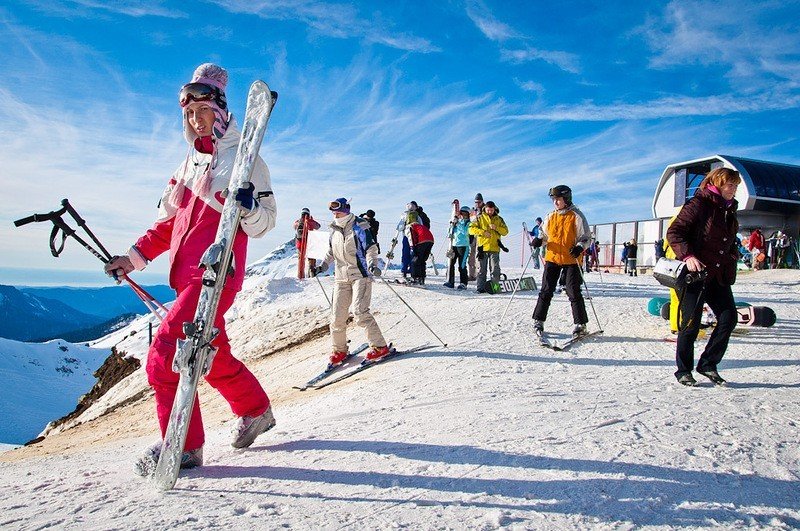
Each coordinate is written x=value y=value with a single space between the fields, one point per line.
x=769 y=195
x=769 y=199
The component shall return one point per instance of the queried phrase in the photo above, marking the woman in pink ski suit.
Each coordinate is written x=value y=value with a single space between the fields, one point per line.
x=188 y=215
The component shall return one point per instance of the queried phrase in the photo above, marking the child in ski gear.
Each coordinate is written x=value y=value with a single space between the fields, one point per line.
x=305 y=224
x=420 y=239
x=632 y=251
x=188 y=216
x=487 y=229
x=460 y=250
x=536 y=232
x=374 y=226
x=703 y=235
x=566 y=233
x=473 y=264
x=355 y=256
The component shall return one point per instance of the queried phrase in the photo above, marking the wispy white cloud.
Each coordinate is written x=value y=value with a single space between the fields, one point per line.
x=530 y=86
x=566 y=61
x=487 y=23
x=516 y=47
x=668 y=107
x=757 y=42
x=88 y=8
x=342 y=21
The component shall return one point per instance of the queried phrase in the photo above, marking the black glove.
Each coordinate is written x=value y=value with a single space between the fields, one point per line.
x=576 y=251
x=321 y=269
x=375 y=270
x=244 y=197
x=536 y=243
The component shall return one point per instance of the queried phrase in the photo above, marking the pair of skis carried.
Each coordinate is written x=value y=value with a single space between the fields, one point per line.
x=348 y=368
x=544 y=342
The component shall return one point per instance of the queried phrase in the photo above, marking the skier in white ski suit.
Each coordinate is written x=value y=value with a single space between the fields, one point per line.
x=355 y=255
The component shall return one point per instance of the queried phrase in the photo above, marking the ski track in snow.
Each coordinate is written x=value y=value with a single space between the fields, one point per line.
x=490 y=432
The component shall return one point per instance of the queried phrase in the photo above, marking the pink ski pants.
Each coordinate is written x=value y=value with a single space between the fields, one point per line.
x=228 y=375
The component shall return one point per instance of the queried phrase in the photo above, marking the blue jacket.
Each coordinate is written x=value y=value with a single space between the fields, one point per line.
x=461 y=233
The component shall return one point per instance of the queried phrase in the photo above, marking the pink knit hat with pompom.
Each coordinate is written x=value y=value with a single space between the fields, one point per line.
x=215 y=76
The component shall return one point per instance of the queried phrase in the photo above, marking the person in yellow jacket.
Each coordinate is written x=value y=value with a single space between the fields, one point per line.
x=567 y=234
x=487 y=228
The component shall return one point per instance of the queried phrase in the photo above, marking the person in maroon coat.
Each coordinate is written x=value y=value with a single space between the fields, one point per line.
x=703 y=235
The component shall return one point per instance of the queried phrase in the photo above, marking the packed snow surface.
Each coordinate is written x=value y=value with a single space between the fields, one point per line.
x=490 y=432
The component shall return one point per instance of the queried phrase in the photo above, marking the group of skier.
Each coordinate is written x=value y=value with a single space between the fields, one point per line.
x=190 y=211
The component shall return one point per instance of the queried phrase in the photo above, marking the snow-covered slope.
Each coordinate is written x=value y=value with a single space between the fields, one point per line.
x=489 y=432
x=40 y=383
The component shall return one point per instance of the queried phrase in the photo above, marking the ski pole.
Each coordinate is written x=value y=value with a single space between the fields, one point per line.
x=412 y=311
x=330 y=304
x=59 y=225
x=588 y=295
x=516 y=287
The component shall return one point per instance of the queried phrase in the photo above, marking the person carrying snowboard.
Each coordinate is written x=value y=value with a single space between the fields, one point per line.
x=355 y=256
x=188 y=216
x=487 y=229
x=566 y=233
x=703 y=235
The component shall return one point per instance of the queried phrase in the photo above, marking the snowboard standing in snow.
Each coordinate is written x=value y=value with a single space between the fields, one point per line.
x=195 y=355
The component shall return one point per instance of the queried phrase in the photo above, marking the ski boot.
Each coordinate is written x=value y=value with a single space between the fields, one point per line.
x=248 y=428
x=145 y=466
x=538 y=329
x=337 y=358
x=687 y=380
x=712 y=375
x=579 y=330
x=449 y=285
x=378 y=353
x=461 y=287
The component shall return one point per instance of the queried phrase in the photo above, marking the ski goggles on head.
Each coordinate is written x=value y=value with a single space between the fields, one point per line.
x=337 y=206
x=201 y=92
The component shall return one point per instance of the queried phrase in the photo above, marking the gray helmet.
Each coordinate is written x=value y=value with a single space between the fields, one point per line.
x=562 y=190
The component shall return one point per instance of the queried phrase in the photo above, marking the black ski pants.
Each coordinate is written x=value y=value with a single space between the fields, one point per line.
x=459 y=260
x=572 y=276
x=420 y=253
x=720 y=299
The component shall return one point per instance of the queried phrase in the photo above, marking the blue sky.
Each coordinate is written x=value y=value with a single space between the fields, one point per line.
x=387 y=102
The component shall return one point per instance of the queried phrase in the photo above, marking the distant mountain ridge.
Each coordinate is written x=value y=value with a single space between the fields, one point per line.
x=76 y=314
x=107 y=302
x=26 y=317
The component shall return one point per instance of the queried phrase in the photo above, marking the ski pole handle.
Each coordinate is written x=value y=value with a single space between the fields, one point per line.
x=40 y=217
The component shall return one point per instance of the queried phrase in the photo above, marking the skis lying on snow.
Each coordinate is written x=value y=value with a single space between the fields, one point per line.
x=195 y=355
x=367 y=364
x=332 y=370
x=543 y=341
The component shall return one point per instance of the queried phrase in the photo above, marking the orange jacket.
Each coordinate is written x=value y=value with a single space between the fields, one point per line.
x=562 y=230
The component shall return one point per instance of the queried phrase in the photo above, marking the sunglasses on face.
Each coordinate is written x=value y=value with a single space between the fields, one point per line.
x=201 y=92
